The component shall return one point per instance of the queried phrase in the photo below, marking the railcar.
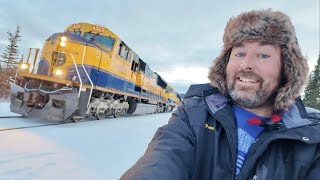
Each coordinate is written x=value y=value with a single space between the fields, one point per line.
x=88 y=71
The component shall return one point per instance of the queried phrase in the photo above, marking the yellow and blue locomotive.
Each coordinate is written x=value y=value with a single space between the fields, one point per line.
x=88 y=71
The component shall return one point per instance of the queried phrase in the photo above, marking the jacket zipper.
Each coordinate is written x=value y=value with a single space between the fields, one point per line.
x=252 y=151
x=228 y=136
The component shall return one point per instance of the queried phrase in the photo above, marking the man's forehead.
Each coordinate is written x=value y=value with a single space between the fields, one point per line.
x=259 y=43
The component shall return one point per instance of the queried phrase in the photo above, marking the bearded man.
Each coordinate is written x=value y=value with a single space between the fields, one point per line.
x=249 y=122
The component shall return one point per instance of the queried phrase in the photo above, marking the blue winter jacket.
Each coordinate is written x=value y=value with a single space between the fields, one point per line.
x=200 y=142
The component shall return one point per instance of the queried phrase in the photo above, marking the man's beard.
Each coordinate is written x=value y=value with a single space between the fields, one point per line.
x=262 y=97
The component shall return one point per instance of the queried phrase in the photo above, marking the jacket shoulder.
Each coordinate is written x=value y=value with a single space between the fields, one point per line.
x=194 y=104
x=196 y=90
x=313 y=113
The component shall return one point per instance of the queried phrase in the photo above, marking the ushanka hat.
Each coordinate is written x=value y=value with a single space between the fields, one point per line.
x=266 y=26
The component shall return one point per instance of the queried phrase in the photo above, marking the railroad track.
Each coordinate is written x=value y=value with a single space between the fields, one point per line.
x=39 y=125
x=51 y=124
x=8 y=117
x=34 y=126
x=43 y=125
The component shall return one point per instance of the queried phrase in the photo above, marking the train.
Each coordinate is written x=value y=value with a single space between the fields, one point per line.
x=87 y=70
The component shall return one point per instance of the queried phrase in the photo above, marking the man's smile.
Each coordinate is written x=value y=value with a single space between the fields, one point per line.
x=247 y=80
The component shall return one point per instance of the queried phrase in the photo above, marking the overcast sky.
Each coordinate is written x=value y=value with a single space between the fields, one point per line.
x=178 y=39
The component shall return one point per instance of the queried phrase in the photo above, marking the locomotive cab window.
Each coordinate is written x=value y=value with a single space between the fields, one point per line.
x=135 y=62
x=123 y=51
x=78 y=33
x=105 y=42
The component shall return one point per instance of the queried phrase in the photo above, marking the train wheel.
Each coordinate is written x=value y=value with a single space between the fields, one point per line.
x=77 y=118
x=117 y=114
x=122 y=112
x=159 y=108
x=101 y=114
x=166 y=109
x=132 y=106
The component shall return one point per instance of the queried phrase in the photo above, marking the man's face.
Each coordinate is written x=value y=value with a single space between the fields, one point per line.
x=254 y=74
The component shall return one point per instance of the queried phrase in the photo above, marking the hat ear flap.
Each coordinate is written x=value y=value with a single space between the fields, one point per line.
x=295 y=72
x=217 y=72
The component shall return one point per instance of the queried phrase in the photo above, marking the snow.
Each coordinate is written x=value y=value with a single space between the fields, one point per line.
x=4 y=108
x=102 y=149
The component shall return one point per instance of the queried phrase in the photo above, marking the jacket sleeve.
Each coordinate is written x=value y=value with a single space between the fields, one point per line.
x=314 y=172
x=170 y=154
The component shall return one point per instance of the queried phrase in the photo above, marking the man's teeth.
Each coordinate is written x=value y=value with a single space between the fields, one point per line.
x=248 y=80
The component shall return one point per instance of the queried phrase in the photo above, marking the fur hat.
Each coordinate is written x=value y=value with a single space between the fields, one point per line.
x=272 y=27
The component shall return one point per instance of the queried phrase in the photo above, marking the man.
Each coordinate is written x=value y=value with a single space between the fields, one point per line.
x=249 y=123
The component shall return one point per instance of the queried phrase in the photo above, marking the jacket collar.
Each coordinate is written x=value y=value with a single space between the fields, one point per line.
x=295 y=116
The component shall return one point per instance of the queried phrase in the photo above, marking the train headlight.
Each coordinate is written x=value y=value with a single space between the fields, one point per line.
x=62 y=44
x=63 y=38
x=58 y=72
x=24 y=66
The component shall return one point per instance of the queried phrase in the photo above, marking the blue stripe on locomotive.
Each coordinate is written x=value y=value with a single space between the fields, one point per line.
x=100 y=78
x=103 y=79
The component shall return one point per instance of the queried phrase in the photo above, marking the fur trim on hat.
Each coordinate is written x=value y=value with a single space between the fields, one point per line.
x=272 y=27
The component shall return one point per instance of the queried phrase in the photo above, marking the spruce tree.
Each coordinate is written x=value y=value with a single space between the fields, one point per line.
x=10 y=56
x=312 y=91
x=9 y=62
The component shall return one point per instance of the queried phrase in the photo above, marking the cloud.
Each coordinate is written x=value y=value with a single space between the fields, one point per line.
x=182 y=77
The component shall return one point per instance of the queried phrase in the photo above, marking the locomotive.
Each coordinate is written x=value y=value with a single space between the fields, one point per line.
x=88 y=71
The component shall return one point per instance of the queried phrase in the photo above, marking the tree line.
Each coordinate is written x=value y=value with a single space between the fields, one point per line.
x=312 y=91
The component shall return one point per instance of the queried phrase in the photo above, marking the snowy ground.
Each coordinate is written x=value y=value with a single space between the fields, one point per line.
x=88 y=150
x=5 y=108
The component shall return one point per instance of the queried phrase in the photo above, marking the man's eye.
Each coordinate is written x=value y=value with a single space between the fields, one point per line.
x=240 y=55
x=264 y=56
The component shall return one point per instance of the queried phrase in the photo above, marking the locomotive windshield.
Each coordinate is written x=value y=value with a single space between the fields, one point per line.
x=106 y=42
x=75 y=32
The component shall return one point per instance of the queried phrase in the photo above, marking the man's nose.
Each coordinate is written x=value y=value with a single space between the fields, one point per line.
x=248 y=63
